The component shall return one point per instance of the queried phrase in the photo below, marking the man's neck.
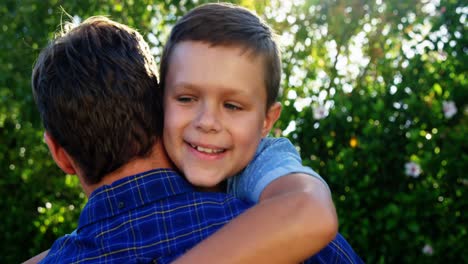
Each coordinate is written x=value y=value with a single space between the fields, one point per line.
x=155 y=160
x=221 y=187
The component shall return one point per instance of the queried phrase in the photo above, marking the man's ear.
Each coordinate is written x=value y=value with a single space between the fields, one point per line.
x=60 y=156
x=271 y=117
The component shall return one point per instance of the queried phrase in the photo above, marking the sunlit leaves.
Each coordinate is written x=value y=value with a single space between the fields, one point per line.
x=397 y=87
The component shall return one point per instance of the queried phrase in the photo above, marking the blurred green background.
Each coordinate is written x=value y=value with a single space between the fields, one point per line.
x=374 y=94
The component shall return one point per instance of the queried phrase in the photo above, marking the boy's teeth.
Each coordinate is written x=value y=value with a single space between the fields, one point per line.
x=206 y=150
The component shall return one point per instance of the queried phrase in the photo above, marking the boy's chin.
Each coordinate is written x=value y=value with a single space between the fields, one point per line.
x=202 y=176
x=208 y=184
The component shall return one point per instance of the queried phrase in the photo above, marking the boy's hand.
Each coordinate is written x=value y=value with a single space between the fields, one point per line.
x=37 y=258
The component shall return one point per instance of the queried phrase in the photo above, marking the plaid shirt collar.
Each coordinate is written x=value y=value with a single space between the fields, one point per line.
x=131 y=192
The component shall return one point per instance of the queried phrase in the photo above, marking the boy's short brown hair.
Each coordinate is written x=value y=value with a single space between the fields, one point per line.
x=97 y=92
x=226 y=24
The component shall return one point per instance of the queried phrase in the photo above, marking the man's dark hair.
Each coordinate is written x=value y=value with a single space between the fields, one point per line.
x=97 y=92
x=228 y=25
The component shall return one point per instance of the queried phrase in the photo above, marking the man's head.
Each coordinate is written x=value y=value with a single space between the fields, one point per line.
x=220 y=70
x=97 y=92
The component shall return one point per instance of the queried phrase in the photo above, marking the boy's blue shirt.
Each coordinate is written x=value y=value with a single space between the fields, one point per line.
x=274 y=158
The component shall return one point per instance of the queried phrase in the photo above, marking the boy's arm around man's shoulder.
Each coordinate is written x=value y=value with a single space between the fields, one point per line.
x=294 y=220
x=37 y=258
x=314 y=222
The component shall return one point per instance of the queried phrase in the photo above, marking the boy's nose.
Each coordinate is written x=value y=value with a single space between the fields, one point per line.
x=208 y=120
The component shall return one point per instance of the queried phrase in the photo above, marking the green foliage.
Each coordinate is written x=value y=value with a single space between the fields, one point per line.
x=412 y=61
x=380 y=71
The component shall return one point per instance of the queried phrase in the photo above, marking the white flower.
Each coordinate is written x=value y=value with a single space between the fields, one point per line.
x=428 y=250
x=464 y=182
x=320 y=112
x=412 y=169
x=76 y=20
x=450 y=109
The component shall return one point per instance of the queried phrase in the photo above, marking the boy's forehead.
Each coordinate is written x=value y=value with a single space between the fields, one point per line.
x=223 y=50
x=242 y=49
x=186 y=50
x=196 y=62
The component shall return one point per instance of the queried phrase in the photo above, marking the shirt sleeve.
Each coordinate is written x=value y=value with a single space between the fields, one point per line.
x=275 y=157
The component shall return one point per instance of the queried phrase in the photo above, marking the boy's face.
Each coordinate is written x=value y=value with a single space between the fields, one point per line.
x=215 y=110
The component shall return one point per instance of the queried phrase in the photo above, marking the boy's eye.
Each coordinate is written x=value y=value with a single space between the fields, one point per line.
x=185 y=99
x=231 y=106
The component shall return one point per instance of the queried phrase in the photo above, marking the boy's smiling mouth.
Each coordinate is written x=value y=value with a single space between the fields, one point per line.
x=207 y=150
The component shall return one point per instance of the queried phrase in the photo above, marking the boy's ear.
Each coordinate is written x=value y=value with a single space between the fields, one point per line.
x=60 y=156
x=272 y=116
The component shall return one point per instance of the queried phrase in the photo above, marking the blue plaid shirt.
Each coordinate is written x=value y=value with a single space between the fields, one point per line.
x=338 y=251
x=154 y=217
x=150 y=217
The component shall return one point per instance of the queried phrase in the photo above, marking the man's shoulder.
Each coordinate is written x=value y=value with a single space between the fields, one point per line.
x=337 y=251
x=221 y=201
x=171 y=225
x=152 y=189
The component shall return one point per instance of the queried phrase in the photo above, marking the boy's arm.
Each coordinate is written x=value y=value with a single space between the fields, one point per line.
x=294 y=219
x=36 y=258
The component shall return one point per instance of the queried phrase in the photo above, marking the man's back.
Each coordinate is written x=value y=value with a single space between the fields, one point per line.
x=156 y=216
x=149 y=217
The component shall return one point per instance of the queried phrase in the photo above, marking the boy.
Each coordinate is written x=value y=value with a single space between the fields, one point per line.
x=220 y=72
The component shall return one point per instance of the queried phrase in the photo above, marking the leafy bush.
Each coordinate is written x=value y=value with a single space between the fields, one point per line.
x=383 y=130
